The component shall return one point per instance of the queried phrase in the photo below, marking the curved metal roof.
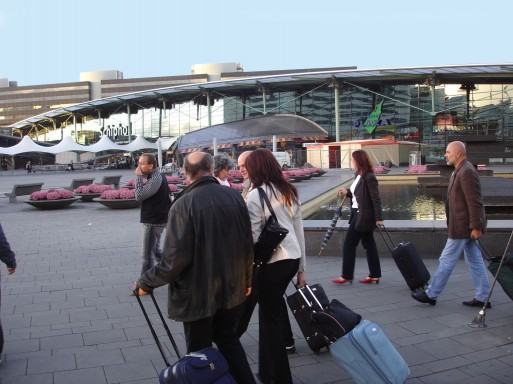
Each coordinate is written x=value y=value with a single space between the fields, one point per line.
x=251 y=132
x=454 y=74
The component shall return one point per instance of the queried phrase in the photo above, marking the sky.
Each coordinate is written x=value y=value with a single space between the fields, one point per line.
x=53 y=41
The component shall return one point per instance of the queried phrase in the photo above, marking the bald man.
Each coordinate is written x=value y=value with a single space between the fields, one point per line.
x=207 y=261
x=241 y=162
x=465 y=223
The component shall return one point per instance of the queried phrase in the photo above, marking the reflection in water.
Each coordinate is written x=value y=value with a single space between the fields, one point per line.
x=399 y=201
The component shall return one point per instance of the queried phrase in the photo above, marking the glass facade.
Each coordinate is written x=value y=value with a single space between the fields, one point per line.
x=403 y=112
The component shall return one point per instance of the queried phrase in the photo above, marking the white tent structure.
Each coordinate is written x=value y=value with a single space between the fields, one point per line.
x=68 y=145
x=25 y=145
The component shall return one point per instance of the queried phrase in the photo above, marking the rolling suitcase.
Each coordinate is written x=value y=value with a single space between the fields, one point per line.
x=369 y=357
x=326 y=321
x=408 y=261
x=501 y=267
x=206 y=366
x=300 y=303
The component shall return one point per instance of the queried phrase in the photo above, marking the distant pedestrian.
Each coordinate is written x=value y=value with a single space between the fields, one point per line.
x=465 y=223
x=222 y=166
x=28 y=167
x=366 y=214
x=155 y=204
x=7 y=256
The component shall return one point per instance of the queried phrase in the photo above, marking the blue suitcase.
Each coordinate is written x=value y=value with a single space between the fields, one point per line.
x=206 y=366
x=369 y=357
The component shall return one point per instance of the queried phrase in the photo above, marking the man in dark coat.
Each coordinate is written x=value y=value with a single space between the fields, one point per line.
x=7 y=256
x=466 y=223
x=207 y=261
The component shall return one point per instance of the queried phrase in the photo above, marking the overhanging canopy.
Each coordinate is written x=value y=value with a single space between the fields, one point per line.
x=252 y=131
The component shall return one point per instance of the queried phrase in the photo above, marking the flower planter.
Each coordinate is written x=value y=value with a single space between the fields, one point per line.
x=88 y=197
x=118 y=203
x=51 y=204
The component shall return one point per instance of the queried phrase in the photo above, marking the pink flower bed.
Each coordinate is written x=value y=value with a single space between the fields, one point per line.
x=379 y=170
x=93 y=188
x=51 y=194
x=173 y=179
x=238 y=186
x=131 y=183
x=235 y=173
x=123 y=193
x=173 y=187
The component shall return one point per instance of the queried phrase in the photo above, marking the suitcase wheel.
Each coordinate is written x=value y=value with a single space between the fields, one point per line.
x=317 y=351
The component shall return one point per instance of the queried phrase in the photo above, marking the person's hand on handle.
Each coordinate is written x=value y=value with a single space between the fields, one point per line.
x=342 y=192
x=301 y=280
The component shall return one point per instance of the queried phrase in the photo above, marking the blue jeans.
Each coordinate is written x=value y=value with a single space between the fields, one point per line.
x=474 y=260
x=151 y=250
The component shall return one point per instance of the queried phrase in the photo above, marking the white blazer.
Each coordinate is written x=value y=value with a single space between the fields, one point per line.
x=293 y=246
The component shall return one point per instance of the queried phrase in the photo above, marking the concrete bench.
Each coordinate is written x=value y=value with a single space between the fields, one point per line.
x=111 y=180
x=22 y=190
x=75 y=183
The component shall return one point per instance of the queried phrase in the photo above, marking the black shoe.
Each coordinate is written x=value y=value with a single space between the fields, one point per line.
x=291 y=349
x=423 y=298
x=476 y=303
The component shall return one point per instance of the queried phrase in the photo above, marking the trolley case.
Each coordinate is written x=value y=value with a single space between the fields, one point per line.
x=369 y=357
x=206 y=366
x=408 y=261
x=326 y=321
x=501 y=267
x=302 y=311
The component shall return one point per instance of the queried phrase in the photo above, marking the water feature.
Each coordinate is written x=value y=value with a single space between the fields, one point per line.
x=406 y=202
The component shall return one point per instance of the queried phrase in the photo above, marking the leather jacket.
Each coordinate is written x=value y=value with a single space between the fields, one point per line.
x=207 y=258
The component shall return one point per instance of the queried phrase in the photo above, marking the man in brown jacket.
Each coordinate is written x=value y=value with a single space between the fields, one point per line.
x=466 y=223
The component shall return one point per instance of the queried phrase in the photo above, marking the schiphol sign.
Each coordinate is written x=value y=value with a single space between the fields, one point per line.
x=114 y=132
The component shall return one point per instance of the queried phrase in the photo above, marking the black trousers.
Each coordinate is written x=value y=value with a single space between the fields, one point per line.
x=351 y=241
x=249 y=308
x=272 y=281
x=221 y=329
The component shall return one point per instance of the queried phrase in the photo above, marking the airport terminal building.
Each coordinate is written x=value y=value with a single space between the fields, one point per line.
x=430 y=106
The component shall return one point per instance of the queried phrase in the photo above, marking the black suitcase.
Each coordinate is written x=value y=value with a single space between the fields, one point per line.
x=501 y=267
x=408 y=261
x=301 y=305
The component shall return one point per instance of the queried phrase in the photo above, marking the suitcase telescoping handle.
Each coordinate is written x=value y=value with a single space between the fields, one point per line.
x=388 y=240
x=157 y=341
x=300 y=290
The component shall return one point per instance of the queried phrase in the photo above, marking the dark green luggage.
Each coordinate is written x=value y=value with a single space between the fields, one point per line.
x=505 y=276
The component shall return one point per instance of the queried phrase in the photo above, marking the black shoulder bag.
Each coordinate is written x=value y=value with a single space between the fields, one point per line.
x=272 y=234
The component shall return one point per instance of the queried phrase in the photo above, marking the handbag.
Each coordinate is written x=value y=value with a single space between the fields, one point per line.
x=272 y=234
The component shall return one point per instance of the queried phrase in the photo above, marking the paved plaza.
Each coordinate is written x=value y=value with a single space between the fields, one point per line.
x=68 y=317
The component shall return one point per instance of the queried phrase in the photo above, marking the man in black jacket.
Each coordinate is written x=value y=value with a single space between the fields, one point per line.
x=7 y=256
x=207 y=261
x=152 y=190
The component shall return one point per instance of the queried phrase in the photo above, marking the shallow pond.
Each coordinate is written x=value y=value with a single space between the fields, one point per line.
x=406 y=202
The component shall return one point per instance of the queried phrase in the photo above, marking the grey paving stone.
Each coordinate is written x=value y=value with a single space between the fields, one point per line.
x=43 y=378
x=81 y=376
x=12 y=368
x=52 y=317
x=20 y=346
x=104 y=337
x=130 y=371
x=66 y=341
x=51 y=364
x=89 y=359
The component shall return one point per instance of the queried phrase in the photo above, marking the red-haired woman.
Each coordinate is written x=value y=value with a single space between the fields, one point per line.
x=366 y=214
x=288 y=261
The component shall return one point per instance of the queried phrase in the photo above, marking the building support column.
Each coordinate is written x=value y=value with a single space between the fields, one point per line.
x=337 y=112
x=209 y=109
x=129 y=122
x=75 y=127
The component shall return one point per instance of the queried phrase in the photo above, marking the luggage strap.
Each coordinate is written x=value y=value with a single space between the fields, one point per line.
x=157 y=341
x=387 y=241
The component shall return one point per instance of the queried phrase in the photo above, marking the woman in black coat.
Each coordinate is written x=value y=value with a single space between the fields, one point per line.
x=365 y=216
